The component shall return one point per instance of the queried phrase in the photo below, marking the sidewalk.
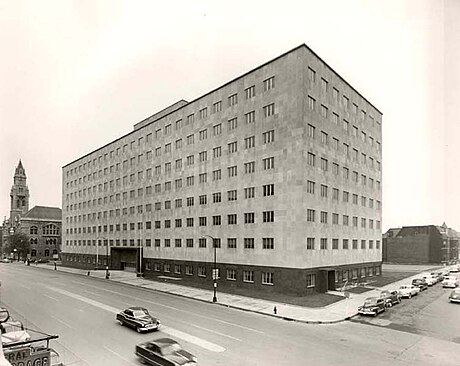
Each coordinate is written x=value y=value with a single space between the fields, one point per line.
x=334 y=313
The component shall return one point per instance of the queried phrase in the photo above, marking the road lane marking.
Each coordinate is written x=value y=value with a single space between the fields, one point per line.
x=61 y=321
x=117 y=354
x=173 y=332
x=51 y=297
x=213 y=331
x=192 y=339
x=173 y=308
x=27 y=287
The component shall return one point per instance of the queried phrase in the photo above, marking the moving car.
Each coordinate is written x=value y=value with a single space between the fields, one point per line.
x=420 y=283
x=164 y=352
x=438 y=275
x=372 y=306
x=6 y=260
x=391 y=297
x=455 y=296
x=139 y=319
x=450 y=281
x=408 y=291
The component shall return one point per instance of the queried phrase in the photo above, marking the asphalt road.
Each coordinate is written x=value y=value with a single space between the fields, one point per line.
x=81 y=310
x=429 y=313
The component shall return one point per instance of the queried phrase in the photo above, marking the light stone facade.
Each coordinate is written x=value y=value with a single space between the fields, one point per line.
x=286 y=130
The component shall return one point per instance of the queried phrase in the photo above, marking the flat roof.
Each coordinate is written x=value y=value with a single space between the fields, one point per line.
x=222 y=86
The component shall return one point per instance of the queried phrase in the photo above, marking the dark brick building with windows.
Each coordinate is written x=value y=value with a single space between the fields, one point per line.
x=421 y=245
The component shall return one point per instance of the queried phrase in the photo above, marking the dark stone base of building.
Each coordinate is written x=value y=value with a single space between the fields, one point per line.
x=292 y=281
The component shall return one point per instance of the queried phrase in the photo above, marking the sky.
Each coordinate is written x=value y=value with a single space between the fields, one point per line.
x=76 y=75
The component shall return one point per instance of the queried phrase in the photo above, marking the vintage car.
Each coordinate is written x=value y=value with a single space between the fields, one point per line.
x=430 y=279
x=455 y=268
x=455 y=296
x=13 y=332
x=372 y=306
x=164 y=352
x=420 y=283
x=450 y=281
x=408 y=291
x=139 y=319
x=391 y=297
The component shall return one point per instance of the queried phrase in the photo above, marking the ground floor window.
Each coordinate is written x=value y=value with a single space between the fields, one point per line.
x=267 y=278
x=177 y=269
x=311 y=280
x=167 y=268
x=189 y=270
x=231 y=274
x=248 y=276
x=157 y=267
x=363 y=272
x=377 y=271
x=202 y=271
x=355 y=273
x=148 y=266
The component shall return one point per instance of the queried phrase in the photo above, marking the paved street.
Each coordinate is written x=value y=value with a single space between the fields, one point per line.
x=81 y=310
x=429 y=313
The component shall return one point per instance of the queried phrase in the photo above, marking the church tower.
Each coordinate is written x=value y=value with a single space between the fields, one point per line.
x=19 y=195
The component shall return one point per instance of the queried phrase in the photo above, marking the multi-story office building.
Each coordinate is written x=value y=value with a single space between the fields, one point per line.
x=280 y=166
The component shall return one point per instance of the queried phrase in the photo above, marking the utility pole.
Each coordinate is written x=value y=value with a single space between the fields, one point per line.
x=214 y=271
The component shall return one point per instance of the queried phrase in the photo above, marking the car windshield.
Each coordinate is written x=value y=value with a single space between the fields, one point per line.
x=140 y=313
x=370 y=301
x=404 y=287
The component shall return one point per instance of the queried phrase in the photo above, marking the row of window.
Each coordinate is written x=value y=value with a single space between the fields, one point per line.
x=344 y=102
x=324 y=219
x=232 y=195
x=232 y=147
x=50 y=229
x=232 y=100
x=355 y=273
x=48 y=241
x=232 y=243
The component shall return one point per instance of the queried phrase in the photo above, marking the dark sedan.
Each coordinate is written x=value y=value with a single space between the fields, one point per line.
x=420 y=283
x=139 y=319
x=391 y=297
x=372 y=306
x=164 y=352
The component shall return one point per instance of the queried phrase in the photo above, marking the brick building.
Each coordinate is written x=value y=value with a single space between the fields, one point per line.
x=428 y=244
x=281 y=167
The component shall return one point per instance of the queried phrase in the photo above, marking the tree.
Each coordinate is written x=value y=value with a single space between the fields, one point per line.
x=20 y=242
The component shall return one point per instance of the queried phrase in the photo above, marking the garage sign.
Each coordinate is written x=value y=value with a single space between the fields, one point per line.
x=24 y=357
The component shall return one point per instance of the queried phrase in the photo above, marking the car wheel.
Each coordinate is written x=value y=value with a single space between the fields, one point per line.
x=375 y=314
x=121 y=322
x=389 y=304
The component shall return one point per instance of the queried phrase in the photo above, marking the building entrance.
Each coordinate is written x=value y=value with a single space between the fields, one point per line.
x=126 y=259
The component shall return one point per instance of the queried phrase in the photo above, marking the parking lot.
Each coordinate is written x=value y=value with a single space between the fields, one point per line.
x=429 y=313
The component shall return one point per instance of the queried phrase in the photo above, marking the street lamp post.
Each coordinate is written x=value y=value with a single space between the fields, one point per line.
x=214 y=271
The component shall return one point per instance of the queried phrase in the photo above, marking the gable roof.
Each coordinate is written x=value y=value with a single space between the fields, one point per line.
x=44 y=212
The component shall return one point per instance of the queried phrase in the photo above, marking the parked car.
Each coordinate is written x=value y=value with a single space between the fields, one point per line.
x=13 y=331
x=408 y=291
x=391 y=297
x=372 y=306
x=455 y=268
x=6 y=260
x=164 y=352
x=430 y=279
x=139 y=319
x=455 y=296
x=438 y=275
x=450 y=281
x=420 y=283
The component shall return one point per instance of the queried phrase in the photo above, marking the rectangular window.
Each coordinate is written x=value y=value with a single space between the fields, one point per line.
x=203 y=113
x=217 y=129
x=203 y=134
x=268 y=190
x=249 y=167
x=269 y=83
x=249 y=192
x=231 y=274
x=250 y=117
x=232 y=147
x=311 y=215
x=249 y=217
x=311 y=75
x=232 y=195
x=248 y=243
x=310 y=187
x=216 y=197
x=216 y=220
x=217 y=107
x=311 y=103
x=268 y=243
x=311 y=280
x=232 y=124
x=231 y=243
x=268 y=137
x=269 y=110
x=267 y=278
x=216 y=175
x=311 y=159
x=268 y=163
x=323 y=243
x=310 y=243
x=335 y=243
x=323 y=217
x=249 y=142
x=232 y=100
x=268 y=216
x=250 y=92
x=248 y=276
x=232 y=171
x=232 y=219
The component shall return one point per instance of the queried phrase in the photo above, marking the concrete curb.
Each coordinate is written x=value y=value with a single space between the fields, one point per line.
x=210 y=302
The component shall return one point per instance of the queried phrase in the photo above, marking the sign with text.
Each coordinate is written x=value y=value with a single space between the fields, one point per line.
x=24 y=357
